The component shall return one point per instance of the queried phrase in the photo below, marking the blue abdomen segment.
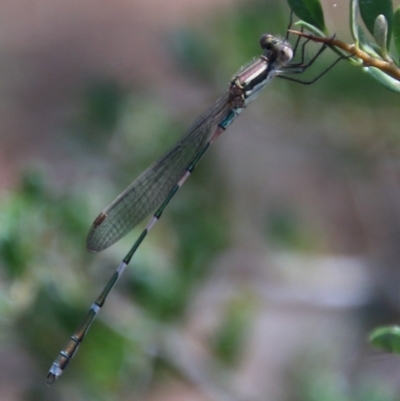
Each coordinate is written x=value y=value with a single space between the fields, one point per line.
x=230 y=117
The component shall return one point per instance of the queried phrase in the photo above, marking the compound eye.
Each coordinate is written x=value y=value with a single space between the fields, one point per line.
x=266 y=42
x=285 y=54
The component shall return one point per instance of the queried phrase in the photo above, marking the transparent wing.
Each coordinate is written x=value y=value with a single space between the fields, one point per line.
x=151 y=188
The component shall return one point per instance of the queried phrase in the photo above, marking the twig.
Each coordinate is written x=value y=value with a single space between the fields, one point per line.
x=368 y=61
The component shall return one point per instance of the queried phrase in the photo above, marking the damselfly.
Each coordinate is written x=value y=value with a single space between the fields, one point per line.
x=159 y=183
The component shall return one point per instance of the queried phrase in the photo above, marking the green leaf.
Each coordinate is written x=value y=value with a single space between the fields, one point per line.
x=387 y=338
x=353 y=20
x=311 y=28
x=396 y=29
x=380 y=34
x=384 y=79
x=371 y=9
x=369 y=47
x=309 y=11
x=359 y=35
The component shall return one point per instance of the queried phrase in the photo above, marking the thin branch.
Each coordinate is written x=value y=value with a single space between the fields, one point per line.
x=368 y=61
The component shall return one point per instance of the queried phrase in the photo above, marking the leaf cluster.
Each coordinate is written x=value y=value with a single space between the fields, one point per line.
x=372 y=49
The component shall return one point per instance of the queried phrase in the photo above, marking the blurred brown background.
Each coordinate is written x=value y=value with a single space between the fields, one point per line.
x=268 y=269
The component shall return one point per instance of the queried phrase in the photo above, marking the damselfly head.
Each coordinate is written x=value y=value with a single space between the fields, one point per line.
x=276 y=49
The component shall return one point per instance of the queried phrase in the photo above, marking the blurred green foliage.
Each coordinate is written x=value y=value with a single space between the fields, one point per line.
x=232 y=331
x=386 y=338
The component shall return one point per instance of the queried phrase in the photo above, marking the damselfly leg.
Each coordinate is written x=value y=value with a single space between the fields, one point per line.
x=300 y=66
